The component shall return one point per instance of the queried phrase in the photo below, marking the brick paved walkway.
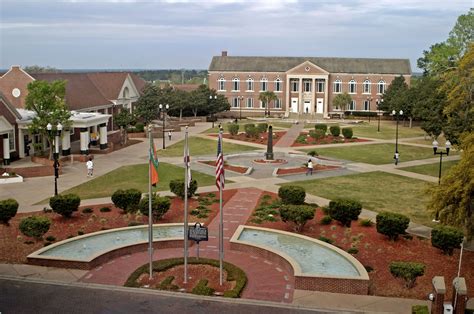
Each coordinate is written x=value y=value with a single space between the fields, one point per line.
x=266 y=280
x=290 y=136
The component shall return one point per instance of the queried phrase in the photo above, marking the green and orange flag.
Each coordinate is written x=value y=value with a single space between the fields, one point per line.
x=153 y=163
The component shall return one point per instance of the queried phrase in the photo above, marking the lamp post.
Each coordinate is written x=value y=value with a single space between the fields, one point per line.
x=379 y=102
x=212 y=97
x=240 y=98
x=396 y=114
x=164 y=109
x=55 y=143
x=441 y=153
x=369 y=99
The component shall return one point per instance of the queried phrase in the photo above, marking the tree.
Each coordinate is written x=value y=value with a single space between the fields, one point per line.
x=179 y=102
x=40 y=69
x=396 y=97
x=147 y=105
x=47 y=101
x=266 y=98
x=342 y=101
x=199 y=99
x=453 y=200
x=123 y=120
x=297 y=214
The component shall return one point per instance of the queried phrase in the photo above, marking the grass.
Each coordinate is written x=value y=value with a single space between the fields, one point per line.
x=276 y=125
x=376 y=154
x=377 y=191
x=200 y=146
x=432 y=169
x=387 y=130
x=134 y=176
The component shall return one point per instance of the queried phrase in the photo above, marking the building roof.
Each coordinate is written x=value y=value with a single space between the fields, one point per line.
x=12 y=109
x=332 y=65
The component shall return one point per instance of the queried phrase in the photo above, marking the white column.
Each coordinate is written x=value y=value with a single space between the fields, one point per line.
x=21 y=143
x=326 y=98
x=300 y=95
x=103 y=136
x=84 y=141
x=313 y=98
x=6 y=149
x=66 y=143
x=287 y=100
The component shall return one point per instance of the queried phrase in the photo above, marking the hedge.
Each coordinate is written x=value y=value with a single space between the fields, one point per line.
x=322 y=127
x=391 y=224
x=360 y=113
x=335 y=130
x=177 y=187
x=65 y=204
x=127 y=200
x=292 y=194
x=8 y=209
x=262 y=127
x=345 y=210
x=446 y=238
x=317 y=134
x=34 y=226
x=251 y=130
x=347 y=133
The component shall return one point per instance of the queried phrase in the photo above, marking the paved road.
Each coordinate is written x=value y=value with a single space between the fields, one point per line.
x=30 y=296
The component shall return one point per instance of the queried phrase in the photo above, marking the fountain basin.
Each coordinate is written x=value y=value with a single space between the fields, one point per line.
x=316 y=265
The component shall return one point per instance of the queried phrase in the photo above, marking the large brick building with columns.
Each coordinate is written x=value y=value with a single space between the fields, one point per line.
x=303 y=85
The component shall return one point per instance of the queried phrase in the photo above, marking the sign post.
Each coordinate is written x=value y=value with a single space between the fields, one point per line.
x=198 y=233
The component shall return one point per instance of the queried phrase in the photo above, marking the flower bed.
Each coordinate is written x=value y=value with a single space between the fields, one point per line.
x=262 y=139
x=328 y=139
x=238 y=169
x=289 y=171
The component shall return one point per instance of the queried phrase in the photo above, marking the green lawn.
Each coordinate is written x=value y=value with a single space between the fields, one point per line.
x=378 y=191
x=377 y=154
x=200 y=146
x=387 y=130
x=135 y=176
x=432 y=169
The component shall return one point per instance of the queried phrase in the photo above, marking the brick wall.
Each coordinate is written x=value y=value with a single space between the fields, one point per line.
x=31 y=172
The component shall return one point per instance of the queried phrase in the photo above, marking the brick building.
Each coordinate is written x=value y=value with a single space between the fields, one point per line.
x=303 y=85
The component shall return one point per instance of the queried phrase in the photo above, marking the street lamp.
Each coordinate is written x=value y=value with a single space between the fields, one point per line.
x=164 y=109
x=441 y=153
x=211 y=97
x=397 y=114
x=379 y=102
x=55 y=143
x=369 y=99
x=240 y=98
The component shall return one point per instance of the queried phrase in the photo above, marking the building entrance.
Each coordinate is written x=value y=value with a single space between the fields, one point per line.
x=294 y=105
x=307 y=106
x=319 y=105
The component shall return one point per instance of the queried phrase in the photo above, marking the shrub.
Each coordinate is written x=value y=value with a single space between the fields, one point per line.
x=127 y=200
x=233 y=128
x=105 y=209
x=313 y=153
x=139 y=127
x=297 y=214
x=317 y=134
x=347 y=132
x=391 y=224
x=335 y=130
x=166 y=284
x=177 y=187
x=366 y=223
x=322 y=127
x=324 y=239
x=8 y=210
x=326 y=220
x=50 y=239
x=159 y=206
x=251 y=130
x=292 y=194
x=408 y=271
x=202 y=289
x=353 y=250
x=35 y=226
x=446 y=238
x=345 y=210
x=262 y=127
x=65 y=204
x=301 y=139
x=87 y=210
x=420 y=309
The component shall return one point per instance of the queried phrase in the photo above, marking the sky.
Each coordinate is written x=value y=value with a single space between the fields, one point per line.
x=176 y=34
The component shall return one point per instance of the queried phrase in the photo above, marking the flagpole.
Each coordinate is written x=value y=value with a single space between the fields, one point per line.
x=221 y=220
x=186 y=163
x=150 y=218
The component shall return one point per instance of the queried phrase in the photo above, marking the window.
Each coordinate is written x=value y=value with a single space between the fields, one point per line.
x=249 y=85
x=11 y=140
x=249 y=102
x=366 y=87
x=221 y=84
x=235 y=102
x=262 y=104
x=366 y=105
x=320 y=86
x=264 y=85
x=236 y=85
x=278 y=103
x=307 y=85
x=352 y=87
x=352 y=105
x=337 y=86
x=381 y=87
x=294 y=85
x=278 y=85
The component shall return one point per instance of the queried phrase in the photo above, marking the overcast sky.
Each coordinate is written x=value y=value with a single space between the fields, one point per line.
x=173 y=34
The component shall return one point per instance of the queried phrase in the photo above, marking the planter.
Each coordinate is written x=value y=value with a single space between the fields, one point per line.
x=11 y=179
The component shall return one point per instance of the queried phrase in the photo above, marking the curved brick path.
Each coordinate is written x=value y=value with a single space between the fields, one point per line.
x=266 y=280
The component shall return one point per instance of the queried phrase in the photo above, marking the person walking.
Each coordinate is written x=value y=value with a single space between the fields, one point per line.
x=90 y=167
x=169 y=135
x=396 y=157
x=309 y=168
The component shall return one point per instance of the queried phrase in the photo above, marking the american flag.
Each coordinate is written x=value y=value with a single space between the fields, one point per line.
x=220 y=177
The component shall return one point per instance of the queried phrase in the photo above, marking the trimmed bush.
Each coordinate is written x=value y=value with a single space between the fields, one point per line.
x=159 y=206
x=87 y=210
x=391 y=224
x=8 y=210
x=317 y=134
x=177 y=187
x=313 y=153
x=335 y=130
x=292 y=194
x=262 y=127
x=34 y=226
x=420 y=309
x=446 y=238
x=127 y=200
x=345 y=210
x=202 y=289
x=65 y=204
x=233 y=128
x=301 y=139
x=105 y=209
x=326 y=220
x=366 y=223
x=408 y=271
x=322 y=127
x=347 y=132
x=297 y=214
x=251 y=130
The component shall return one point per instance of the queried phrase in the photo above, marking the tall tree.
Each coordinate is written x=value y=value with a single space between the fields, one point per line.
x=124 y=119
x=179 y=103
x=266 y=98
x=199 y=99
x=40 y=69
x=396 y=97
x=147 y=104
x=47 y=101
x=342 y=101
